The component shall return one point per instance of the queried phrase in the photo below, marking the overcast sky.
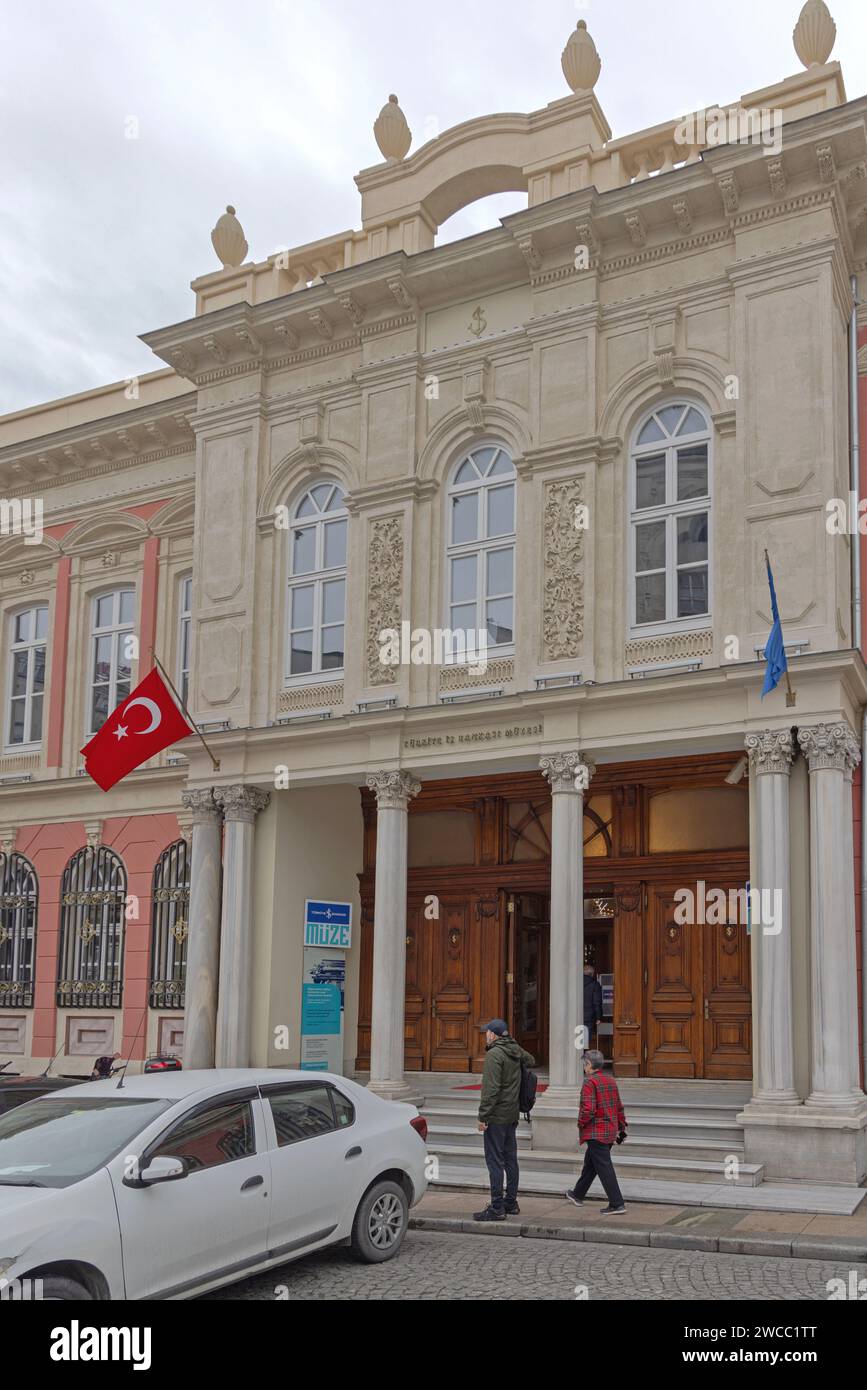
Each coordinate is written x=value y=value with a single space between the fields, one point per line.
x=269 y=105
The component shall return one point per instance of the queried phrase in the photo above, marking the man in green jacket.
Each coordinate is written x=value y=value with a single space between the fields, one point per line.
x=498 y=1117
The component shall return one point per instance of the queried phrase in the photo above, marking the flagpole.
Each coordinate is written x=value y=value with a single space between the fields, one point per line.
x=790 y=694
x=161 y=668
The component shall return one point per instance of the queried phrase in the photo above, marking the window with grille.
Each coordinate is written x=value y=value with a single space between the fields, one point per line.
x=170 y=908
x=19 y=910
x=92 y=916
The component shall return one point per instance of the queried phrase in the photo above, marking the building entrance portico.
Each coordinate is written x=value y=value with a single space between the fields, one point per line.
x=506 y=899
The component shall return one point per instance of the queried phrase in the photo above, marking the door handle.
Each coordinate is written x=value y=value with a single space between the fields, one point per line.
x=257 y=1181
x=354 y=1152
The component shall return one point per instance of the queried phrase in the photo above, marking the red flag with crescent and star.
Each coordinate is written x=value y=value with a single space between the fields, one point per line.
x=143 y=724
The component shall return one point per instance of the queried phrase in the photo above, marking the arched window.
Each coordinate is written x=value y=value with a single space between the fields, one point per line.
x=480 y=553
x=111 y=658
x=170 y=926
x=26 y=687
x=19 y=910
x=93 y=901
x=670 y=515
x=317 y=581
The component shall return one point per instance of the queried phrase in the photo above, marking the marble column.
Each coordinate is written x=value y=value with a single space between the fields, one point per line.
x=770 y=755
x=203 y=942
x=393 y=792
x=832 y=752
x=241 y=805
x=569 y=777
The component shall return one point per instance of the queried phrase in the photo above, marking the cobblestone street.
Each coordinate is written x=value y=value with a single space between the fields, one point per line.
x=435 y=1265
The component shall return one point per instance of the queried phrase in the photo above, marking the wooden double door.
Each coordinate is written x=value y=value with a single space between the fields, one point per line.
x=697 y=995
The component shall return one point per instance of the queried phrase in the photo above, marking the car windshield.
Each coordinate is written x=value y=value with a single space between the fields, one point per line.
x=53 y=1142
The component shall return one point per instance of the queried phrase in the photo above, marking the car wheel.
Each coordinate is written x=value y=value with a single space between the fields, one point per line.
x=380 y=1223
x=57 y=1289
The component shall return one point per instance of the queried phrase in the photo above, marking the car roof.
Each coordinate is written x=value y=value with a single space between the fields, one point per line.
x=177 y=1085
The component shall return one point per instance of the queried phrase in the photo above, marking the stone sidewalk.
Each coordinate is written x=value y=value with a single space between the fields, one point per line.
x=730 y=1231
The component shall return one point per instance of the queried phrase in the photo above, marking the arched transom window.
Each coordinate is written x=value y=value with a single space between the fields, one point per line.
x=317 y=581
x=480 y=554
x=670 y=514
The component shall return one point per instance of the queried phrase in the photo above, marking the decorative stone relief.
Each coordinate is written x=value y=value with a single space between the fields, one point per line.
x=201 y=805
x=677 y=647
x=563 y=583
x=831 y=747
x=825 y=161
x=729 y=192
x=814 y=33
x=27 y=577
x=301 y=697
x=241 y=803
x=384 y=592
x=462 y=678
x=770 y=751
x=393 y=789
x=563 y=771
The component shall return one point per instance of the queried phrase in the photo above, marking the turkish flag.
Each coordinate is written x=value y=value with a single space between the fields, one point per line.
x=145 y=723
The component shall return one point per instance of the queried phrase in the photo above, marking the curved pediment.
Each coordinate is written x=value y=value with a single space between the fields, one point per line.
x=114 y=529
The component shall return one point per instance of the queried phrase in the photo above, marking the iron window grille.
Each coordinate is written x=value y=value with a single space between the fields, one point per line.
x=19 y=911
x=170 y=927
x=93 y=903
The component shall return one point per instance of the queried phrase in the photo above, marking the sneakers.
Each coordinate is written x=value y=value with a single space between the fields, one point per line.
x=612 y=1211
x=512 y=1209
x=576 y=1201
x=489 y=1214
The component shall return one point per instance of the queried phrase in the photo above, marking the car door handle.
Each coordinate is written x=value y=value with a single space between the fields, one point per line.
x=354 y=1152
x=252 y=1182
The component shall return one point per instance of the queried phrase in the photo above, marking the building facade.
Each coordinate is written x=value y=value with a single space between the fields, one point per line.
x=575 y=434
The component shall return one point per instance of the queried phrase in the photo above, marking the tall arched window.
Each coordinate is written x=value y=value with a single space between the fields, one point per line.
x=93 y=902
x=170 y=927
x=317 y=581
x=480 y=553
x=669 y=520
x=111 y=659
x=19 y=909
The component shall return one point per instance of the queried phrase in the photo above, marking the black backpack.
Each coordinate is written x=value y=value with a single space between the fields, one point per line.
x=527 y=1093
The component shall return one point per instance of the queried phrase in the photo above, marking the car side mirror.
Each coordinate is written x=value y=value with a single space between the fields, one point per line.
x=160 y=1169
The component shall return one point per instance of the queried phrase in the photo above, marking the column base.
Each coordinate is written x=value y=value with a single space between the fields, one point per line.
x=397 y=1090
x=774 y=1100
x=818 y=1145
x=835 y=1102
x=555 y=1118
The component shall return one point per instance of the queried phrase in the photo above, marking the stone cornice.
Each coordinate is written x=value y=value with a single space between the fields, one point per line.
x=389 y=494
x=581 y=453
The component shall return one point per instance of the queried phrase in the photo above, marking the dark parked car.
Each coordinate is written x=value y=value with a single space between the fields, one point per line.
x=15 y=1090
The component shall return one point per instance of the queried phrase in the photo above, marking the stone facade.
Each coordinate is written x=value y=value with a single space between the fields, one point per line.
x=376 y=360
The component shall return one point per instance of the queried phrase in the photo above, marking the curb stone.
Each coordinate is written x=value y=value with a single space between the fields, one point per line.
x=852 y=1249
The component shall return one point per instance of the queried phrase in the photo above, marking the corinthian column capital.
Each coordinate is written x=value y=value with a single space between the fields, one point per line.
x=201 y=805
x=830 y=747
x=394 y=790
x=240 y=803
x=769 y=751
x=567 y=772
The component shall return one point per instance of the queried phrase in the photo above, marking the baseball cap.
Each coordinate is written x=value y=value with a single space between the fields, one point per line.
x=496 y=1025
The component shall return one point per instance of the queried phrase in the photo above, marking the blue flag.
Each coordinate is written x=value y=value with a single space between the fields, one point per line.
x=775 y=652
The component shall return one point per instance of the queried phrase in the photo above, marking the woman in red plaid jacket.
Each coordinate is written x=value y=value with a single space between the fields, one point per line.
x=601 y=1123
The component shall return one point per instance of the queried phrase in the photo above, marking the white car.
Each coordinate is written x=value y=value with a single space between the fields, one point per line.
x=178 y=1182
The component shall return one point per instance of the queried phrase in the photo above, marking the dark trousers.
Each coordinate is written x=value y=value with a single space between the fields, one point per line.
x=597 y=1164
x=501 y=1154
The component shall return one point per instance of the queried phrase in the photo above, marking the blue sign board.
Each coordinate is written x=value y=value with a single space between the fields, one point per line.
x=327 y=924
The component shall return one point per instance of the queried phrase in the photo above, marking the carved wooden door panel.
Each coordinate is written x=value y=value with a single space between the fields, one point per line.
x=417 y=1018
x=727 y=999
x=698 y=1000
x=674 y=1032
x=451 y=1038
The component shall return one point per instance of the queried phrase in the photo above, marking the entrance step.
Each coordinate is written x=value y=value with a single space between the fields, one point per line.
x=568 y=1164
x=768 y=1196
x=464 y=1137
